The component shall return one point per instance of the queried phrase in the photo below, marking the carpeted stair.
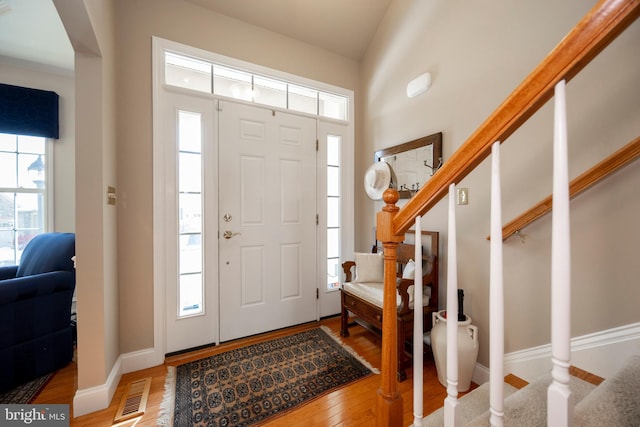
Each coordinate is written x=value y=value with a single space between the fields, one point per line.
x=615 y=402
x=469 y=406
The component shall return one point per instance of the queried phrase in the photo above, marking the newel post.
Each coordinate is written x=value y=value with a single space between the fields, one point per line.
x=389 y=402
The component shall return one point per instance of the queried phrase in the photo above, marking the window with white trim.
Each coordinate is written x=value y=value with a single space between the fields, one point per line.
x=23 y=184
x=204 y=76
x=333 y=212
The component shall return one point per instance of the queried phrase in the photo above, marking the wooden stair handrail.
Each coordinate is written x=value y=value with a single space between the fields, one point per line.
x=590 y=36
x=620 y=158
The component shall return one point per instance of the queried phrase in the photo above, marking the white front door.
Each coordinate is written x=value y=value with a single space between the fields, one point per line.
x=267 y=220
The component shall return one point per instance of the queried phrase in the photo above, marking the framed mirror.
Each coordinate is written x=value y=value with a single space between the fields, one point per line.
x=413 y=162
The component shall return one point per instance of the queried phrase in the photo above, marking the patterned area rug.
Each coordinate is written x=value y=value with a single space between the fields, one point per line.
x=26 y=392
x=244 y=386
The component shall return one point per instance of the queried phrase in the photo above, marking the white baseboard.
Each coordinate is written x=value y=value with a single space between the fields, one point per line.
x=99 y=397
x=480 y=374
x=96 y=398
x=141 y=359
x=601 y=353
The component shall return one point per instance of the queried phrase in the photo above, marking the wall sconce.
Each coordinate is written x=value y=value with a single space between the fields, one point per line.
x=419 y=85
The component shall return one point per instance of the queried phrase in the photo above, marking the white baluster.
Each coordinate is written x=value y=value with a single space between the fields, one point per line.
x=417 y=328
x=559 y=397
x=496 y=296
x=451 y=402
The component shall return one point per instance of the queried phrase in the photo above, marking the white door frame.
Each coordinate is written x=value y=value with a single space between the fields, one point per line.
x=159 y=152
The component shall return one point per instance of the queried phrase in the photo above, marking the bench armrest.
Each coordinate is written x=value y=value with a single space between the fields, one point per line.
x=346 y=267
x=402 y=286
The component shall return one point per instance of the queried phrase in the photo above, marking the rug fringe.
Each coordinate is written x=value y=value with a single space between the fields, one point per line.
x=349 y=349
x=166 y=407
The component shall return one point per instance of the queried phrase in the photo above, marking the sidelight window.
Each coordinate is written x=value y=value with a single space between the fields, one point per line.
x=333 y=212
x=190 y=298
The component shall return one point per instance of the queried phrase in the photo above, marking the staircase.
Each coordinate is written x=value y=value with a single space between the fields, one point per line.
x=564 y=406
x=615 y=402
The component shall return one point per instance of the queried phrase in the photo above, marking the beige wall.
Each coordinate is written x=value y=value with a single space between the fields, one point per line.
x=183 y=22
x=478 y=52
x=30 y=75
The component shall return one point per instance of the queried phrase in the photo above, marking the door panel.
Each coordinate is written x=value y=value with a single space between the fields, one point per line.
x=268 y=193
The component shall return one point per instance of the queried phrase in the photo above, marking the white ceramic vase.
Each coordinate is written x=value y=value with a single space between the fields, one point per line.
x=467 y=349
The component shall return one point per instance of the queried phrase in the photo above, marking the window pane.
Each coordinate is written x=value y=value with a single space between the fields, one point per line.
x=7 y=211
x=333 y=273
x=190 y=253
x=31 y=144
x=269 y=92
x=29 y=212
x=333 y=243
x=333 y=181
x=232 y=83
x=8 y=166
x=190 y=294
x=333 y=150
x=303 y=99
x=189 y=170
x=187 y=72
x=190 y=213
x=24 y=237
x=333 y=212
x=7 y=142
x=31 y=171
x=333 y=106
x=7 y=248
x=190 y=131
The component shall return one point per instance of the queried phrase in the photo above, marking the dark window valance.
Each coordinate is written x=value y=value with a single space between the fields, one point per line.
x=25 y=111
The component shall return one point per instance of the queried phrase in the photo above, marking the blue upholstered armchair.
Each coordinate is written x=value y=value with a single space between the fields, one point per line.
x=36 y=336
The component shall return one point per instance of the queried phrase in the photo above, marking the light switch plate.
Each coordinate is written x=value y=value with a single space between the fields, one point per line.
x=463 y=196
x=111 y=195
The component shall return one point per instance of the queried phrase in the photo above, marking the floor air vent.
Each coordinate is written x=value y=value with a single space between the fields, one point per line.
x=134 y=401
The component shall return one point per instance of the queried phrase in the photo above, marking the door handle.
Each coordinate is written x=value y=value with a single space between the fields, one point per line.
x=228 y=234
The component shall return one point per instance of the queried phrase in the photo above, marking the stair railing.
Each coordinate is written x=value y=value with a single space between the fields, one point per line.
x=606 y=167
x=602 y=24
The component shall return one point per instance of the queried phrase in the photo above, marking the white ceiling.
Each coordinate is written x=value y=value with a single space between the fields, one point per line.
x=31 y=30
x=342 y=26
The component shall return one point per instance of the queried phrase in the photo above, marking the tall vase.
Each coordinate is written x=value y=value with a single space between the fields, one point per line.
x=467 y=349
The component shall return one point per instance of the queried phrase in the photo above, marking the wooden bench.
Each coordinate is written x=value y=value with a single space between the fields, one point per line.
x=364 y=299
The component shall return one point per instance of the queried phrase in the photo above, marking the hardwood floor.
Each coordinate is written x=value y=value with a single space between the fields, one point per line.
x=352 y=405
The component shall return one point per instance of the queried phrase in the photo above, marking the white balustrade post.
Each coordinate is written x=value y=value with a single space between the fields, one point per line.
x=559 y=397
x=496 y=296
x=451 y=402
x=417 y=328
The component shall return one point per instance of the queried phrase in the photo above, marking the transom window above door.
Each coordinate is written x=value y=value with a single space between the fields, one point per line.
x=204 y=76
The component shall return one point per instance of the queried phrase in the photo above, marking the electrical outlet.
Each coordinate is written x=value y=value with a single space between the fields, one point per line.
x=463 y=196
